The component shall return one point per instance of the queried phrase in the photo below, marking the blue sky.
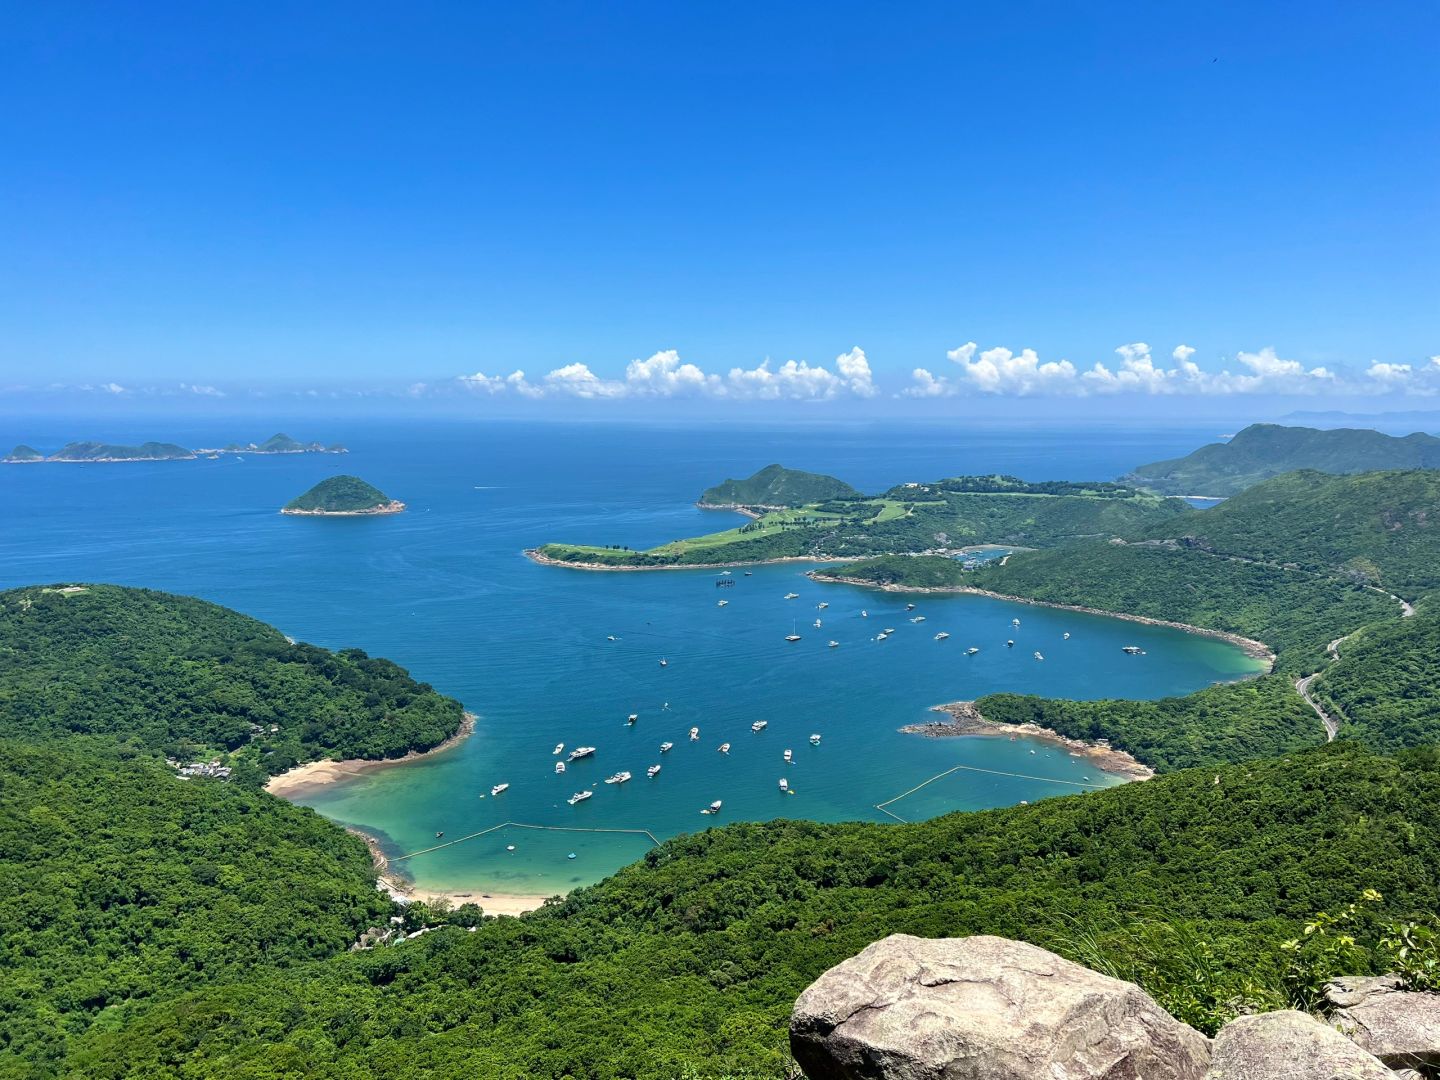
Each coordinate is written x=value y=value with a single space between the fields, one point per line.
x=234 y=199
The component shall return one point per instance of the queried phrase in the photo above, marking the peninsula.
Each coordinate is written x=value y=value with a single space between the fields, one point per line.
x=343 y=496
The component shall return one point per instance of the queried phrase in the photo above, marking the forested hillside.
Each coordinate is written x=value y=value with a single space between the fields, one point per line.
x=688 y=962
x=1261 y=451
x=185 y=677
x=120 y=882
x=776 y=485
x=1383 y=528
x=1385 y=688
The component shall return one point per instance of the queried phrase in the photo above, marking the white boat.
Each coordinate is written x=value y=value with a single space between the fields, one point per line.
x=909 y=607
x=1067 y=635
x=784 y=786
x=579 y=796
x=889 y=629
x=759 y=725
x=724 y=573
x=498 y=788
x=721 y=603
x=666 y=747
x=1010 y=644
x=1038 y=656
x=609 y=637
x=653 y=771
x=559 y=768
x=918 y=619
x=791 y=595
x=724 y=748
x=814 y=740
x=579 y=752
x=1014 y=622
x=941 y=636
x=971 y=651
x=559 y=748
x=833 y=644
x=817 y=624
x=864 y=614
x=792 y=637
x=881 y=636
x=713 y=808
x=694 y=734
x=618 y=778
x=664 y=662
x=632 y=718
x=823 y=605
x=1133 y=650
x=789 y=756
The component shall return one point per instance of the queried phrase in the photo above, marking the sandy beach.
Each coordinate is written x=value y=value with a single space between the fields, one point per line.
x=405 y=891
x=535 y=555
x=317 y=774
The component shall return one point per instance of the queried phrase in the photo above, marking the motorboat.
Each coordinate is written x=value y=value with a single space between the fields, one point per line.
x=784 y=786
x=1038 y=656
x=971 y=651
x=759 y=726
x=618 y=778
x=1067 y=636
x=823 y=605
x=1010 y=644
x=666 y=747
x=632 y=718
x=713 y=808
x=791 y=595
x=909 y=607
x=864 y=614
x=653 y=771
x=579 y=796
x=559 y=768
x=941 y=636
x=1014 y=622
x=1133 y=650
x=694 y=734
x=664 y=662
x=724 y=748
x=580 y=752
x=498 y=788
x=789 y=756
x=889 y=629
x=721 y=603
x=559 y=748
x=833 y=644
x=814 y=740
x=918 y=619
x=817 y=624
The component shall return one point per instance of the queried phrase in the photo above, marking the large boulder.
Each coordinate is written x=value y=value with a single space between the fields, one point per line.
x=984 y=1008
x=1400 y=1028
x=1289 y=1046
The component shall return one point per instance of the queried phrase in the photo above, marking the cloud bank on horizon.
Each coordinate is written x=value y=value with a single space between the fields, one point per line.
x=995 y=372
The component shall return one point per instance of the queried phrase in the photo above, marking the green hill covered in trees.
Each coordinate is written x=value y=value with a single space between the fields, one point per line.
x=188 y=678
x=777 y=486
x=1261 y=451
x=687 y=963
x=343 y=495
x=97 y=451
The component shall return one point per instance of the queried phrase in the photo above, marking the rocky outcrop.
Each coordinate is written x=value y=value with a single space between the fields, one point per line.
x=1400 y=1028
x=984 y=1008
x=1289 y=1046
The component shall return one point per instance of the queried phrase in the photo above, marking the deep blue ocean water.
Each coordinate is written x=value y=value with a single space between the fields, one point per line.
x=445 y=590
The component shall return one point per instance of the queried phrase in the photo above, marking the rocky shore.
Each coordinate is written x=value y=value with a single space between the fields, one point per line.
x=966 y=719
x=394 y=506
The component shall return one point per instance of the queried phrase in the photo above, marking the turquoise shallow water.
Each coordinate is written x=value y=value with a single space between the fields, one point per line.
x=445 y=590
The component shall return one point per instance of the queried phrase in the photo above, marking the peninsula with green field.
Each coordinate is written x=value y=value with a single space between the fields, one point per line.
x=343 y=496
x=947 y=516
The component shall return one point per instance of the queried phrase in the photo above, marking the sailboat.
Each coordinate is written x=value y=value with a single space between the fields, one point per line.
x=792 y=636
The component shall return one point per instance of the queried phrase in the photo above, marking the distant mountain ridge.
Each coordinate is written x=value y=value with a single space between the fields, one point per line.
x=91 y=450
x=775 y=485
x=1262 y=451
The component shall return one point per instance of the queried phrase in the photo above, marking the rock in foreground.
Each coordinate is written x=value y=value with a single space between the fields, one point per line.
x=1400 y=1028
x=984 y=1008
x=1289 y=1046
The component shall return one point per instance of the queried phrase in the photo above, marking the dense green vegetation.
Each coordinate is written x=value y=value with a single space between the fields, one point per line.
x=189 y=678
x=1265 y=450
x=339 y=495
x=1385 y=688
x=120 y=882
x=280 y=443
x=1232 y=722
x=1382 y=528
x=909 y=519
x=23 y=453
x=691 y=958
x=97 y=451
x=775 y=485
x=911 y=571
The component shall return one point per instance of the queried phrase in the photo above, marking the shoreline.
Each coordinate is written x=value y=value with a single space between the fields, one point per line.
x=744 y=510
x=966 y=719
x=317 y=774
x=404 y=891
x=1256 y=650
x=537 y=556
x=394 y=506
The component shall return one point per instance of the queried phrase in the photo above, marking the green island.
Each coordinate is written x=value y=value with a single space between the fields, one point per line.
x=343 y=496
x=160 y=926
x=279 y=443
x=98 y=451
x=776 y=488
x=23 y=454
x=1261 y=451
x=946 y=515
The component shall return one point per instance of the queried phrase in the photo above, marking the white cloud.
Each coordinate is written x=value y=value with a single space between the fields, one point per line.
x=665 y=375
x=203 y=391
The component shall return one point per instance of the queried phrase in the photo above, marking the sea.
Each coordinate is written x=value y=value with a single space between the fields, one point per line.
x=546 y=656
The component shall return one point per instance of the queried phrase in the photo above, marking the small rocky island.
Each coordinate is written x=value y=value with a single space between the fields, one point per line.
x=343 y=496
x=22 y=454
